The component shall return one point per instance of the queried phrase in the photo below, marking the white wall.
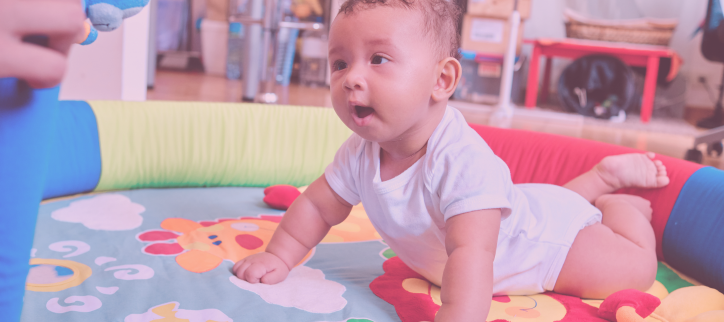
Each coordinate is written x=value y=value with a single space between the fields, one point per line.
x=547 y=21
x=113 y=67
x=94 y=71
x=134 y=79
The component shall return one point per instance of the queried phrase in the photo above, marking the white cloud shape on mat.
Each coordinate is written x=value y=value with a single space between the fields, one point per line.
x=68 y=245
x=100 y=260
x=103 y=212
x=132 y=272
x=170 y=310
x=90 y=303
x=305 y=288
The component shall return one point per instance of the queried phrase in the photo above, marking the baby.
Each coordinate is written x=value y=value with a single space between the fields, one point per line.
x=438 y=195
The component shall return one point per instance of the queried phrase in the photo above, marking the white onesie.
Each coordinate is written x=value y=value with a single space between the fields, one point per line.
x=459 y=173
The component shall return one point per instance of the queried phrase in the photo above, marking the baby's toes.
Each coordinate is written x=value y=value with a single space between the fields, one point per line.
x=661 y=170
x=662 y=179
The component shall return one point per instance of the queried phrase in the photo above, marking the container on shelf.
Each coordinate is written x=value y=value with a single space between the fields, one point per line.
x=214 y=46
x=313 y=70
x=481 y=76
x=236 y=45
x=286 y=48
x=488 y=35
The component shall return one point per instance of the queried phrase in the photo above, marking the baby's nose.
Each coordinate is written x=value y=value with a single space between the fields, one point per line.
x=355 y=79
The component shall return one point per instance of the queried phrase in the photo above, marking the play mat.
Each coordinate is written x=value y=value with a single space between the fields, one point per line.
x=145 y=255
x=148 y=205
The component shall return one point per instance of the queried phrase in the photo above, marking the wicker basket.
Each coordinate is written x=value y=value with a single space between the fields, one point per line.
x=630 y=34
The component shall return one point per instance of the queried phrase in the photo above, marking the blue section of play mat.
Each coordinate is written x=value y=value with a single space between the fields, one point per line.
x=353 y=265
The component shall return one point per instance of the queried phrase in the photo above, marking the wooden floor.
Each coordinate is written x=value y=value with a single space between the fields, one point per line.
x=184 y=86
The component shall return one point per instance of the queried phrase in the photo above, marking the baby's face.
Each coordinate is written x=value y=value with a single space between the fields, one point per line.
x=383 y=70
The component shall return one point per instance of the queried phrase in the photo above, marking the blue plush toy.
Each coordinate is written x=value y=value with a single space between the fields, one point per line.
x=107 y=15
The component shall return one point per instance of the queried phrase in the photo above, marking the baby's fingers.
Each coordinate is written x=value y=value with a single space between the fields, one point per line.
x=254 y=273
x=239 y=268
x=275 y=276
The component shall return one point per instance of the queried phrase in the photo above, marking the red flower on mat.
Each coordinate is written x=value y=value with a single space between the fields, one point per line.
x=415 y=299
x=409 y=306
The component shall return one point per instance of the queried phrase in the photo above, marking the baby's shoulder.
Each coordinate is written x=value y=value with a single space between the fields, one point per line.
x=461 y=144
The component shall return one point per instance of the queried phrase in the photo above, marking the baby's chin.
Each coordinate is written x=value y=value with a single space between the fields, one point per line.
x=373 y=134
x=368 y=133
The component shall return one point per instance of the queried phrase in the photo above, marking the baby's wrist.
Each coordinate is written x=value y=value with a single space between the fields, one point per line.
x=280 y=257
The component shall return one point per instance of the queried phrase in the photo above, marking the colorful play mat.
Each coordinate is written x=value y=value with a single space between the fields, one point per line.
x=166 y=255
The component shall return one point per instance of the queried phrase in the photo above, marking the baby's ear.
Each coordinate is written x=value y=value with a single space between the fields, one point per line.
x=448 y=76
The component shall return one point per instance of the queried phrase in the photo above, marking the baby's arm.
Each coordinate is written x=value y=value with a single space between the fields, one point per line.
x=467 y=282
x=303 y=226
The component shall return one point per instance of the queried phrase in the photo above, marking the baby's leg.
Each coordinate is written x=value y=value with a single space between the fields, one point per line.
x=620 y=171
x=617 y=254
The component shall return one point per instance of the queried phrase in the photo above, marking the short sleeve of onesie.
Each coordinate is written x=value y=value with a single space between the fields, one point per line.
x=472 y=178
x=343 y=173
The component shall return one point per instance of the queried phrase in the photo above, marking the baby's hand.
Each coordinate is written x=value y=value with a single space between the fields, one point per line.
x=262 y=267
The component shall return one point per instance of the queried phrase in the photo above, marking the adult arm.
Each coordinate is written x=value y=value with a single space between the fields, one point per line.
x=61 y=21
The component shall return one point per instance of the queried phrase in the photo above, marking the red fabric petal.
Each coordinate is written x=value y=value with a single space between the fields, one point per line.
x=644 y=303
x=164 y=249
x=410 y=307
x=157 y=235
x=280 y=196
x=268 y=189
x=502 y=299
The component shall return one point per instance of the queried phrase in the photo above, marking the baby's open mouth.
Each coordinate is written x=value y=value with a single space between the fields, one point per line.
x=363 y=111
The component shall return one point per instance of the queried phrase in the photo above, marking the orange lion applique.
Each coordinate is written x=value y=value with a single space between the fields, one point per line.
x=202 y=246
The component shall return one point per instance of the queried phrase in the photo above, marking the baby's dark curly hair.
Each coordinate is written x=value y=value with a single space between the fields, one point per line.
x=441 y=19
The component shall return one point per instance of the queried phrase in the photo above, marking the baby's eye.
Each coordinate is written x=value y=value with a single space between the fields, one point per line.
x=339 y=65
x=378 y=60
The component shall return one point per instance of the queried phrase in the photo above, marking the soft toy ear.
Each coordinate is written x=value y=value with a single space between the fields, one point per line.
x=689 y=302
x=281 y=196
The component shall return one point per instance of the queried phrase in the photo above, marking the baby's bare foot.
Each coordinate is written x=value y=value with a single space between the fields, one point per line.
x=636 y=170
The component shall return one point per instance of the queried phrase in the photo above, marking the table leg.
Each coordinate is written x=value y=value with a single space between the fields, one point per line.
x=532 y=88
x=647 y=102
x=546 y=88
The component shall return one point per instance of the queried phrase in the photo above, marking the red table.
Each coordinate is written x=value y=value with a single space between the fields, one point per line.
x=632 y=54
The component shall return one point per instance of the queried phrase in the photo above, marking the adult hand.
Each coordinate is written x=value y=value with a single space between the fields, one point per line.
x=61 y=21
x=261 y=267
